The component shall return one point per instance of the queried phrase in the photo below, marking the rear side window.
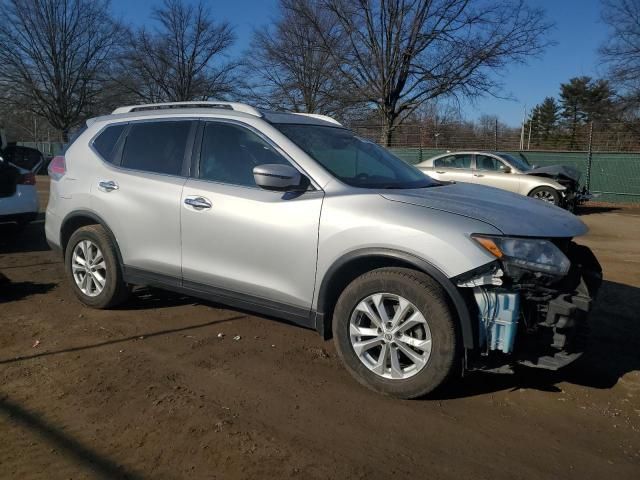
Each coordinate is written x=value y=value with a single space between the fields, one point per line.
x=156 y=147
x=105 y=142
x=454 y=161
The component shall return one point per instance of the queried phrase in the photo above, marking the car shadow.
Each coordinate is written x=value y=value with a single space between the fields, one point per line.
x=147 y=298
x=592 y=209
x=71 y=449
x=611 y=353
x=30 y=238
x=13 y=291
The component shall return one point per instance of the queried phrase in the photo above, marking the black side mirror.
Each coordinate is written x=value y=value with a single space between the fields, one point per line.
x=276 y=176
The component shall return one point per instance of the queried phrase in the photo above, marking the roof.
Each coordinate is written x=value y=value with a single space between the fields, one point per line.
x=229 y=109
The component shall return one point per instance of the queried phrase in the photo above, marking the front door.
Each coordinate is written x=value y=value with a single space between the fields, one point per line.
x=493 y=172
x=239 y=239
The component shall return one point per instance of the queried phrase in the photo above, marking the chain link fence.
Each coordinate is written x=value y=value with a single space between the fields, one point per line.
x=607 y=155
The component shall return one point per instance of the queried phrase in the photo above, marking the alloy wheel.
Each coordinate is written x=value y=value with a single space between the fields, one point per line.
x=89 y=268
x=390 y=336
x=545 y=196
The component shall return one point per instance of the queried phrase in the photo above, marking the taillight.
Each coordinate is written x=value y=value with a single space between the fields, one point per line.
x=27 y=179
x=57 y=168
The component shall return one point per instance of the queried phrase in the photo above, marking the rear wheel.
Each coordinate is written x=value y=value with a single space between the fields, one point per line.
x=92 y=265
x=546 y=194
x=394 y=331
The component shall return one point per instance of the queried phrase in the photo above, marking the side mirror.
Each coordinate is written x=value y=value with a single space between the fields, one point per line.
x=506 y=169
x=275 y=176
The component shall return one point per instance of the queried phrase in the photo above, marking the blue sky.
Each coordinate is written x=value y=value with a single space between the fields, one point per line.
x=578 y=34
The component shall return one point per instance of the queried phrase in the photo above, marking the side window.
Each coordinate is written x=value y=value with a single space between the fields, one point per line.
x=229 y=153
x=156 y=147
x=485 y=162
x=106 y=141
x=454 y=161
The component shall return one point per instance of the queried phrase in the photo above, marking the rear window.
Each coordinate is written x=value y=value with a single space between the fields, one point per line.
x=105 y=143
x=156 y=147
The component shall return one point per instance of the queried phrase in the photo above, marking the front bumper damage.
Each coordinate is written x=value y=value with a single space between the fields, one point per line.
x=572 y=197
x=528 y=318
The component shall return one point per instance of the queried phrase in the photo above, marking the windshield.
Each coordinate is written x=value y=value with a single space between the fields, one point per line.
x=353 y=160
x=517 y=162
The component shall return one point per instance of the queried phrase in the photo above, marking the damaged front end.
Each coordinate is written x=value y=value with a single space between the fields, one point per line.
x=531 y=304
x=569 y=178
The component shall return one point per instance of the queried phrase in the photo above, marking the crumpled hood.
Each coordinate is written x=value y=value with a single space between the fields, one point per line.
x=556 y=171
x=510 y=213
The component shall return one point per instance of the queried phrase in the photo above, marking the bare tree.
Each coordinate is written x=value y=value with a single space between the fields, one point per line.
x=292 y=69
x=53 y=54
x=622 y=51
x=402 y=53
x=182 y=59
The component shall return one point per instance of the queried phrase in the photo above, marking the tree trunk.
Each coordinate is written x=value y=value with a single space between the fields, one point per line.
x=388 y=126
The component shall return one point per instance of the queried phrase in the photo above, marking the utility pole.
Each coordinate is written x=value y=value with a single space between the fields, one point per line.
x=589 y=156
x=524 y=118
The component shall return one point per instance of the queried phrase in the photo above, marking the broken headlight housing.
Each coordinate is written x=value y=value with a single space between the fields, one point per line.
x=532 y=254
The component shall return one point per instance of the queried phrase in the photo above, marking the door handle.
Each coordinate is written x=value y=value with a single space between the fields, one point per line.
x=107 y=185
x=199 y=203
x=440 y=171
x=478 y=175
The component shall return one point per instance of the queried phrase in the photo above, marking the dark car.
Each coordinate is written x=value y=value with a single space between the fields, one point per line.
x=24 y=157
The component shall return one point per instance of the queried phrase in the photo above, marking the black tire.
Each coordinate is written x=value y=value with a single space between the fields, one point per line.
x=115 y=290
x=430 y=299
x=546 y=194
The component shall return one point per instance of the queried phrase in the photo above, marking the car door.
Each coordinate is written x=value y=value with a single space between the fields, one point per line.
x=493 y=172
x=137 y=191
x=239 y=240
x=453 y=167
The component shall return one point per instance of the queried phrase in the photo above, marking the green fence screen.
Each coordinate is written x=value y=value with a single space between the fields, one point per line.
x=615 y=177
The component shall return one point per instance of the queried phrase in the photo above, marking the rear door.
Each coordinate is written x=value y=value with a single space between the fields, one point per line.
x=493 y=172
x=453 y=167
x=240 y=240
x=138 y=189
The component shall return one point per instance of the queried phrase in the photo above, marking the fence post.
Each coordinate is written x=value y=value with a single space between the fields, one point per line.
x=589 y=156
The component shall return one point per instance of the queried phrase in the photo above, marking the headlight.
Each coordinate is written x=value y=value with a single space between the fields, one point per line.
x=528 y=253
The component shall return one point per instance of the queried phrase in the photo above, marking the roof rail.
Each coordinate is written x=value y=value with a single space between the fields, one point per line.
x=238 y=107
x=326 y=118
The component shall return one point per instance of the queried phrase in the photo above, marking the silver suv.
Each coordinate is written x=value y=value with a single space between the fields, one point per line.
x=294 y=216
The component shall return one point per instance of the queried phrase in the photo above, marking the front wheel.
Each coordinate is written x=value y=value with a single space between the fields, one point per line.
x=546 y=194
x=395 y=332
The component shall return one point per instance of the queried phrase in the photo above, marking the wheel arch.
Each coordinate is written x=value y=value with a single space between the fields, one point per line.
x=548 y=183
x=353 y=264
x=81 y=218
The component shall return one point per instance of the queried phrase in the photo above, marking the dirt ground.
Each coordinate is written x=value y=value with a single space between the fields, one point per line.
x=151 y=391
